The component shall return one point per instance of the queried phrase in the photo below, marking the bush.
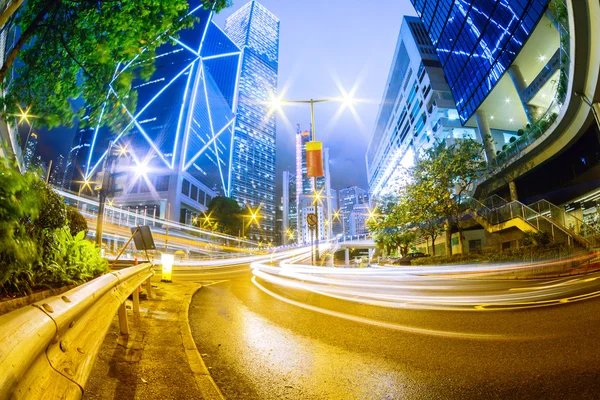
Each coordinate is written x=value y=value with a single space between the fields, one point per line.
x=520 y=132
x=525 y=253
x=76 y=221
x=35 y=251
x=512 y=139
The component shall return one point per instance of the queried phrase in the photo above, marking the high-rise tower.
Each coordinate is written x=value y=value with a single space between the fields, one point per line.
x=255 y=31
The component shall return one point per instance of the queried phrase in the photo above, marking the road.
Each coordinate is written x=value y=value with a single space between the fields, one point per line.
x=268 y=341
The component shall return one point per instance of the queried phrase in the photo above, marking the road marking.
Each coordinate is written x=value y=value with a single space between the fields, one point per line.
x=215 y=282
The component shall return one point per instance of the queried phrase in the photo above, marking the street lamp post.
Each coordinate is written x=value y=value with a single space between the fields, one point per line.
x=346 y=100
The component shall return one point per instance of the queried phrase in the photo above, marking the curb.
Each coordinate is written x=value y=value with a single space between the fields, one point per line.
x=206 y=384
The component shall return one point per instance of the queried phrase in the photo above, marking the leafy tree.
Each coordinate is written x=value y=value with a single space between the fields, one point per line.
x=70 y=49
x=442 y=180
x=224 y=215
x=391 y=225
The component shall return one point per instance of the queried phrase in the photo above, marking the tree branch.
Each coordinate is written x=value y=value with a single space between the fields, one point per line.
x=9 y=11
x=25 y=36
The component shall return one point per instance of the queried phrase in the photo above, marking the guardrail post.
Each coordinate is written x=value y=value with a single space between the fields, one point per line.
x=149 y=288
x=123 y=326
x=136 y=300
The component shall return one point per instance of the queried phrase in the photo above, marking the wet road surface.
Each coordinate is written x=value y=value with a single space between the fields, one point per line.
x=259 y=347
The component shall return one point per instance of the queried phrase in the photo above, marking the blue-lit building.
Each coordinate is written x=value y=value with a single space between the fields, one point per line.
x=176 y=147
x=255 y=31
x=501 y=59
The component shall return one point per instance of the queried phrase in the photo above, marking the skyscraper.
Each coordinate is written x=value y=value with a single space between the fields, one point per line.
x=416 y=111
x=58 y=169
x=255 y=31
x=177 y=146
x=76 y=165
x=289 y=208
x=29 y=159
x=348 y=198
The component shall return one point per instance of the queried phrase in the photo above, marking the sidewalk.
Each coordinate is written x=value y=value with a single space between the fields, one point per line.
x=159 y=359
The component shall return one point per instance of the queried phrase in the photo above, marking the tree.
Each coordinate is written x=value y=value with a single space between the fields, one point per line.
x=71 y=49
x=225 y=215
x=442 y=180
x=391 y=226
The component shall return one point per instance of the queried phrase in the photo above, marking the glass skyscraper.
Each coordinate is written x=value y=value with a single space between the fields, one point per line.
x=182 y=129
x=476 y=42
x=255 y=31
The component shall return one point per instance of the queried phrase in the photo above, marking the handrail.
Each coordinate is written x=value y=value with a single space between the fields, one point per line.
x=527 y=214
x=569 y=221
x=49 y=348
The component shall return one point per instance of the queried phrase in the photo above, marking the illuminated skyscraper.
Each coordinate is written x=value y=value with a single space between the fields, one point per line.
x=477 y=41
x=177 y=145
x=29 y=159
x=255 y=31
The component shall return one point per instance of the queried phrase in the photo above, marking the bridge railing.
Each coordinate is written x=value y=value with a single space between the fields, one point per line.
x=49 y=348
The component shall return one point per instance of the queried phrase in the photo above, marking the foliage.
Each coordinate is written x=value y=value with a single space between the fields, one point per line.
x=68 y=50
x=441 y=182
x=390 y=226
x=72 y=259
x=76 y=221
x=538 y=239
x=36 y=246
x=224 y=215
x=525 y=253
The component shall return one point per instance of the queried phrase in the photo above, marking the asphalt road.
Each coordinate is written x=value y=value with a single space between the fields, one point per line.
x=317 y=347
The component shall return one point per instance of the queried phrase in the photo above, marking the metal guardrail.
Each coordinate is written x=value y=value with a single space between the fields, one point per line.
x=49 y=348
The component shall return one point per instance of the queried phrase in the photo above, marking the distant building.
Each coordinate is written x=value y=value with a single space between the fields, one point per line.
x=305 y=189
x=348 y=198
x=289 y=225
x=358 y=219
x=29 y=159
x=58 y=169
x=77 y=159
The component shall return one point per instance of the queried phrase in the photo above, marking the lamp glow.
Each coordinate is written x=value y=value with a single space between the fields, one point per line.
x=167 y=266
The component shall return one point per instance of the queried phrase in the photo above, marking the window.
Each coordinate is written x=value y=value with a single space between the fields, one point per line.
x=194 y=194
x=185 y=187
x=162 y=183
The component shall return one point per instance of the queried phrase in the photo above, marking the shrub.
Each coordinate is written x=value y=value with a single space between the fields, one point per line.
x=77 y=222
x=520 y=132
x=525 y=253
x=512 y=139
x=37 y=248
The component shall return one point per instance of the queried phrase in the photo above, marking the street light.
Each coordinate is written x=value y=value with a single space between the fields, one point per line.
x=347 y=101
x=253 y=216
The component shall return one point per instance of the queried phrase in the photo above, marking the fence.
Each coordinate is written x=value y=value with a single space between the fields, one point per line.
x=49 y=348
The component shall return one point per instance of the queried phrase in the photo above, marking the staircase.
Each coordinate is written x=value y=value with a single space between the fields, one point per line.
x=514 y=214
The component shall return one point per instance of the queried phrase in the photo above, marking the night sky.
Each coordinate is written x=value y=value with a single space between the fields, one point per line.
x=325 y=46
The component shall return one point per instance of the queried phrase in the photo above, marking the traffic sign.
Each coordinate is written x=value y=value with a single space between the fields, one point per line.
x=311 y=219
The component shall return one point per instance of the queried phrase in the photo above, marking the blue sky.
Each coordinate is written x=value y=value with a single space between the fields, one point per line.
x=321 y=42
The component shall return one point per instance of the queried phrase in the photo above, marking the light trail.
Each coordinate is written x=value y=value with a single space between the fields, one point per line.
x=456 y=287
x=395 y=326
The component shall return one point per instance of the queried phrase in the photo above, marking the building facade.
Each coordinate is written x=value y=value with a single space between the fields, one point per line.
x=417 y=111
x=255 y=31
x=29 y=159
x=76 y=163
x=348 y=198
x=177 y=149
x=289 y=209
x=58 y=170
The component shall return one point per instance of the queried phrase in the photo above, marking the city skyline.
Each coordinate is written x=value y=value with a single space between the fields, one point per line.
x=370 y=71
